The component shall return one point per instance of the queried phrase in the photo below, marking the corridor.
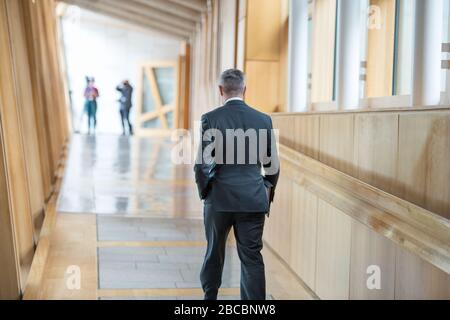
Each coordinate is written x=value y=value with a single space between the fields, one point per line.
x=139 y=217
x=358 y=94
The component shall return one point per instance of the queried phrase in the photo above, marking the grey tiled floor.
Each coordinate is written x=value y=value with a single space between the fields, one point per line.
x=149 y=229
x=149 y=268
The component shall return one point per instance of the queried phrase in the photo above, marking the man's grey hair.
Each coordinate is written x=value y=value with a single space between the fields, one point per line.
x=232 y=81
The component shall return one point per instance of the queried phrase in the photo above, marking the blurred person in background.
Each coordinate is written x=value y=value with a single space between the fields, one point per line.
x=126 y=91
x=90 y=106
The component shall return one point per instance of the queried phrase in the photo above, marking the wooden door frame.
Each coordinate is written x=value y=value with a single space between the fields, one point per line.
x=147 y=69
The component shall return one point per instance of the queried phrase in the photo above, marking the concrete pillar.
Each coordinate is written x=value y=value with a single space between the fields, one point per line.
x=427 y=52
x=348 y=54
x=298 y=55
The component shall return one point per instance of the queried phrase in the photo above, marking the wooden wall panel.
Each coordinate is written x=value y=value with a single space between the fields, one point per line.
x=55 y=102
x=262 y=85
x=424 y=166
x=304 y=234
x=25 y=108
x=324 y=33
x=34 y=58
x=285 y=127
x=61 y=94
x=263 y=30
x=9 y=277
x=284 y=244
x=49 y=117
x=14 y=151
x=333 y=252
x=417 y=279
x=299 y=133
x=370 y=248
x=380 y=59
x=403 y=152
x=262 y=52
x=276 y=224
x=336 y=142
x=183 y=89
x=34 y=129
x=376 y=149
x=306 y=135
x=46 y=51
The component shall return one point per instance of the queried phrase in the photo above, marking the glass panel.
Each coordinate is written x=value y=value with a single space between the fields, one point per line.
x=404 y=48
x=310 y=49
x=323 y=27
x=169 y=117
x=148 y=100
x=364 y=37
x=152 y=124
x=165 y=79
x=381 y=48
x=445 y=73
x=335 y=54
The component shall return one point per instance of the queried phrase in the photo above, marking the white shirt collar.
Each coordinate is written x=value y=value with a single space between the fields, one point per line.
x=234 y=99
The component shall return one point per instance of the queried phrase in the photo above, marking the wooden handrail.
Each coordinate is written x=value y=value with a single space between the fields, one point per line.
x=420 y=231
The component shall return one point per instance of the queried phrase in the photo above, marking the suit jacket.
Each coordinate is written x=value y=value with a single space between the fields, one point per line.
x=237 y=186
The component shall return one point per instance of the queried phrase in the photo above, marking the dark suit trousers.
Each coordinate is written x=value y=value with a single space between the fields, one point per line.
x=248 y=230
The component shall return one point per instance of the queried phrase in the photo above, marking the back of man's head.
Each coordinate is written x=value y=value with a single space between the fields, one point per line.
x=232 y=82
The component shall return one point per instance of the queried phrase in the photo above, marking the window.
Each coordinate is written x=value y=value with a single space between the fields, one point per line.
x=403 y=47
x=389 y=51
x=310 y=50
x=445 y=71
x=364 y=25
x=322 y=29
x=380 y=48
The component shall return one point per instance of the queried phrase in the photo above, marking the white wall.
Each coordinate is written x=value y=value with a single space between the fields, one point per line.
x=227 y=34
x=110 y=51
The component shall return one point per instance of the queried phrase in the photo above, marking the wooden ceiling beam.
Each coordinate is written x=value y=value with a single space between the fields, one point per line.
x=108 y=10
x=155 y=15
x=172 y=8
x=198 y=5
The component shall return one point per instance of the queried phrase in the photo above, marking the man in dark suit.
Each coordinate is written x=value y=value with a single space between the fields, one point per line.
x=237 y=143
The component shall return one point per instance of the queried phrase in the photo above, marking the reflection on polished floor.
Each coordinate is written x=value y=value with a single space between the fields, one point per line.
x=132 y=222
x=115 y=175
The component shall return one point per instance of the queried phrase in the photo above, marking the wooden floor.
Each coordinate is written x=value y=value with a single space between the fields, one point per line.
x=140 y=234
